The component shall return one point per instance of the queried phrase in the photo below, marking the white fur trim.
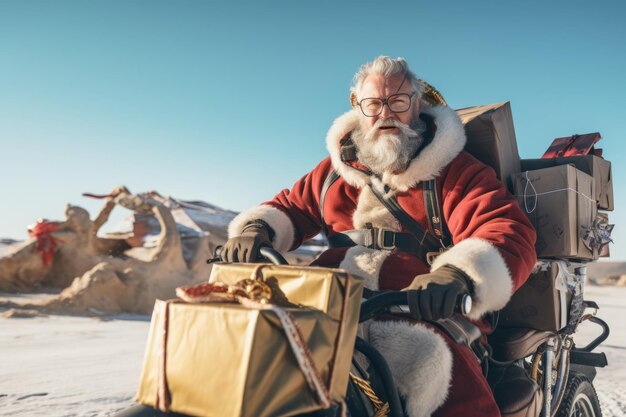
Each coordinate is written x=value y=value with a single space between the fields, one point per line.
x=284 y=231
x=484 y=264
x=370 y=210
x=342 y=126
x=365 y=263
x=448 y=142
x=419 y=360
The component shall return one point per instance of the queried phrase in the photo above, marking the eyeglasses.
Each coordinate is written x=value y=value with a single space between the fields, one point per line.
x=397 y=103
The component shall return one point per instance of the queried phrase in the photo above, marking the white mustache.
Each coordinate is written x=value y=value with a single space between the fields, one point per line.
x=404 y=128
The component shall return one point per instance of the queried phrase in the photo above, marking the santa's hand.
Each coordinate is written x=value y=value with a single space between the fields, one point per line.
x=438 y=292
x=246 y=246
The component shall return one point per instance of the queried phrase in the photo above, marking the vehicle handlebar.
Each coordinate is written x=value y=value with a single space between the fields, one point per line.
x=379 y=303
x=382 y=302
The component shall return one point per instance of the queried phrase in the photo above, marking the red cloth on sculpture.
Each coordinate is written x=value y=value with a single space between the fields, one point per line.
x=46 y=243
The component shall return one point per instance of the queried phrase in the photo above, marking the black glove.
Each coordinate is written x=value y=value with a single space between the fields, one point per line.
x=246 y=246
x=438 y=292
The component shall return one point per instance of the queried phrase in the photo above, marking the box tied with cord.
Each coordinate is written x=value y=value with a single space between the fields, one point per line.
x=558 y=201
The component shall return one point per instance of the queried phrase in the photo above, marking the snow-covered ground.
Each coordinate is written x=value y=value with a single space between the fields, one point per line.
x=611 y=381
x=62 y=366
x=69 y=366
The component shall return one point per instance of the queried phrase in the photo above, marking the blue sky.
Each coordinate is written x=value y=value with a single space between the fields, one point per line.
x=230 y=102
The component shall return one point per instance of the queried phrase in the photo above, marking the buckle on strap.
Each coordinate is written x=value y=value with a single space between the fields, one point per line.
x=385 y=239
x=380 y=238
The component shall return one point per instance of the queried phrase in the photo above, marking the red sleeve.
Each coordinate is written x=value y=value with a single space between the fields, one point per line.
x=493 y=239
x=301 y=204
x=477 y=205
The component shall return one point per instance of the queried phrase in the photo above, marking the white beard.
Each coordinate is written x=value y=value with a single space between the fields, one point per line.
x=389 y=152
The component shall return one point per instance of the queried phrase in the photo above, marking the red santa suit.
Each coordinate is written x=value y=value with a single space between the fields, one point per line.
x=493 y=245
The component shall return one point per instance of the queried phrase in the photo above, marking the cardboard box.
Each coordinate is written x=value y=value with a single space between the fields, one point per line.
x=542 y=303
x=598 y=168
x=491 y=138
x=222 y=359
x=559 y=204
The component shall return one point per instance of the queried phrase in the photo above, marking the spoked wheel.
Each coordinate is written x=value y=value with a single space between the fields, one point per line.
x=580 y=399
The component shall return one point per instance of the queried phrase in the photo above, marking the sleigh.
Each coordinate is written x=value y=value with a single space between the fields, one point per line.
x=531 y=372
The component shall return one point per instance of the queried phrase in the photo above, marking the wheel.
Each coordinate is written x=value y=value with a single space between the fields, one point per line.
x=580 y=398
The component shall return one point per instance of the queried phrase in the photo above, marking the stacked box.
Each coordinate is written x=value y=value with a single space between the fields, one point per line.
x=598 y=168
x=491 y=138
x=559 y=203
x=542 y=302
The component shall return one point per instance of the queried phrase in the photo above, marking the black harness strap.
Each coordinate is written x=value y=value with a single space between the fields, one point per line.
x=375 y=238
x=417 y=241
x=436 y=222
x=426 y=240
x=330 y=180
x=348 y=152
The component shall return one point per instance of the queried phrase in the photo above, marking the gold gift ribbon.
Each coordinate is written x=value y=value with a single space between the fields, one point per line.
x=163 y=399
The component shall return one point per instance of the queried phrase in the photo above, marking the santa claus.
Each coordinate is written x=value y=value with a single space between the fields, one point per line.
x=408 y=150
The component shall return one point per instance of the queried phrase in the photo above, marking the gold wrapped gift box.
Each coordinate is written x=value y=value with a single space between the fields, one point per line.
x=225 y=359
x=332 y=291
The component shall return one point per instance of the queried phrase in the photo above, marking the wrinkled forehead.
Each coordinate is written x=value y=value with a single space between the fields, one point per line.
x=377 y=85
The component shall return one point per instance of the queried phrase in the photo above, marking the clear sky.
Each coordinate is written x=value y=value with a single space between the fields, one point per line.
x=229 y=102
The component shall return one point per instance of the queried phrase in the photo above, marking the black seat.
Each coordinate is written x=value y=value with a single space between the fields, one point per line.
x=516 y=394
x=512 y=343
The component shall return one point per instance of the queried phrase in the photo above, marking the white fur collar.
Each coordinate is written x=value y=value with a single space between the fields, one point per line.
x=448 y=142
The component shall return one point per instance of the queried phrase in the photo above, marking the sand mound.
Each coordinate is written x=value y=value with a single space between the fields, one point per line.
x=19 y=313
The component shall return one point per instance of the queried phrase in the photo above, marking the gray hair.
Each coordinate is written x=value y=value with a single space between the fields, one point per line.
x=388 y=67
